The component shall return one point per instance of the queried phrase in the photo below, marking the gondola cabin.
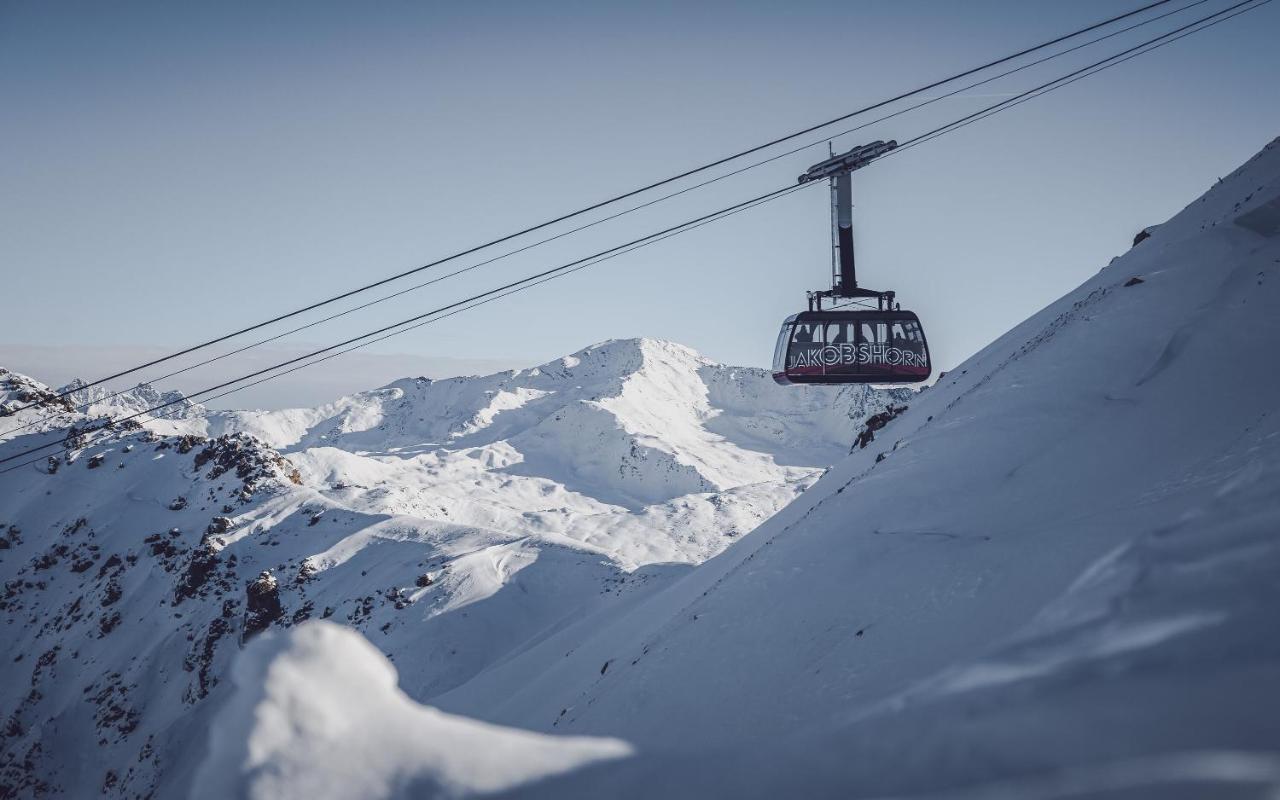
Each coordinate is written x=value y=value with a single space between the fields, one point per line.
x=851 y=347
x=841 y=344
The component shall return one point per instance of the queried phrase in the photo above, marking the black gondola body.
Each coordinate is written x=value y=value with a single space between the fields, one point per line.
x=839 y=346
x=842 y=345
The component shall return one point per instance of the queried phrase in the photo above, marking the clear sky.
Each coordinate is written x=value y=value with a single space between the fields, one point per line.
x=173 y=170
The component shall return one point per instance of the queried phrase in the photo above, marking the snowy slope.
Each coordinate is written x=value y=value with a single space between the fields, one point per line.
x=455 y=523
x=1054 y=576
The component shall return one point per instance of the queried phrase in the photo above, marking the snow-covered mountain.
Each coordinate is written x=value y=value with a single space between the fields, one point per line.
x=1056 y=575
x=78 y=404
x=453 y=522
x=639 y=449
x=98 y=401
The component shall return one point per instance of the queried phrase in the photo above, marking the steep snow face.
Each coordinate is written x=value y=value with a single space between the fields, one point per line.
x=455 y=523
x=1079 y=521
x=1055 y=575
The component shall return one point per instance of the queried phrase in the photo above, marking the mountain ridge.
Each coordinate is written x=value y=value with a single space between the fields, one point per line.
x=450 y=520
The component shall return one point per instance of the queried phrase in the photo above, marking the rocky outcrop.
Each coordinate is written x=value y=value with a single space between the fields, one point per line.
x=262 y=605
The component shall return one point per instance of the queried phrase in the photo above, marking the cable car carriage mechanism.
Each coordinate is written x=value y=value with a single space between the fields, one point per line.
x=840 y=345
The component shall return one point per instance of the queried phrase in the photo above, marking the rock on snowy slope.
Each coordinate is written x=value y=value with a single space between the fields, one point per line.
x=322 y=695
x=1053 y=576
x=17 y=392
x=449 y=521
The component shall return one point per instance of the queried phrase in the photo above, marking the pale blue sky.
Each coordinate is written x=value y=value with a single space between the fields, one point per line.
x=172 y=170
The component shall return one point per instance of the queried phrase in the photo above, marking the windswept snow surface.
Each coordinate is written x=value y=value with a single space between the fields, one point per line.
x=454 y=522
x=1057 y=575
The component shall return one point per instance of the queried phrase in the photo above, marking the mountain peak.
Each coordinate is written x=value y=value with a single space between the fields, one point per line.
x=623 y=357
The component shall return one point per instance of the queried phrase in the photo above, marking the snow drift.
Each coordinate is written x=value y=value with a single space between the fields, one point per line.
x=324 y=695
x=1054 y=576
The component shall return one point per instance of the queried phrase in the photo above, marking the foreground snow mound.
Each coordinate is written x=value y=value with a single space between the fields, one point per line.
x=316 y=715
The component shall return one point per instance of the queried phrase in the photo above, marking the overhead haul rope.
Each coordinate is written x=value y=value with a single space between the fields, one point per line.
x=542 y=277
x=601 y=204
x=416 y=287
x=1092 y=69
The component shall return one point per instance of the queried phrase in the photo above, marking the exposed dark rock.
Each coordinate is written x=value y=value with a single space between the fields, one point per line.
x=875 y=423
x=49 y=558
x=113 y=709
x=162 y=546
x=188 y=443
x=1142 y=236
x=218 y=525
x=107 y=623
x=204 y=560
x=75 y=527
x=75 y=437
x=96 y=461
x=305 y=572
x=262 y=605
x=200 y=659
x=112 y=593
x=303 y=614
x=113 y=561
x=362 y=611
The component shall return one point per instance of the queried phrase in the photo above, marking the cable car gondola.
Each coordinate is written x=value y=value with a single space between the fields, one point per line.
x=851 y=347
x=840 y=344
